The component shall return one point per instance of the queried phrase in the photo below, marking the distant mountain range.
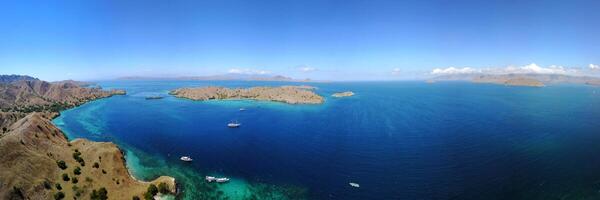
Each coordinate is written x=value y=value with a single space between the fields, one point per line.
x=535 y=80
x=14 y=78
x=222 y=77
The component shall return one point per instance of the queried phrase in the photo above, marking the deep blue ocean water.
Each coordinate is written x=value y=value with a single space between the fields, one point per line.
x=398 y=140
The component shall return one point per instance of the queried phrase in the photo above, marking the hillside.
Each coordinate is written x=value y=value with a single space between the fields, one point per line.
x=20 y=95
x=29 y=162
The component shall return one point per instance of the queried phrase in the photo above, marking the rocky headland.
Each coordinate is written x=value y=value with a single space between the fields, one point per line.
x=343 y=94
x=285 y=94
x=38 y=161
x=20 y=95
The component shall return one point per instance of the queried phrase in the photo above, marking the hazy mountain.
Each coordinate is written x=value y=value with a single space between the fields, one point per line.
x=520 y=79
x=14 y=78
x=222 y=77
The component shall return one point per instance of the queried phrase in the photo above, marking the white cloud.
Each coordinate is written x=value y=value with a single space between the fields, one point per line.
x=527 y=69
x=307 y=69
x=248 y=71
x=396 y=71
x=453 y=70
x=594 y=67
x=534 y=69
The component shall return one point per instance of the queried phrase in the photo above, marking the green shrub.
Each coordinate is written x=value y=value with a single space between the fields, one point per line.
x=163 y=188
x=47 y=185
x=135 y=198
x=96 y=165
x=78 y=191
x=65 y=177
x=152 y=189
x=61 y=164
x=148 y=196
x=59 y=195
x=58 y=187
x=77 y=171
x=101 y=194
x=74 y=180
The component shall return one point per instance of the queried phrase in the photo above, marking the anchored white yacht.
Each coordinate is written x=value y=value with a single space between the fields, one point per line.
x=186 y=158
x=234 y=124
x=217 y=180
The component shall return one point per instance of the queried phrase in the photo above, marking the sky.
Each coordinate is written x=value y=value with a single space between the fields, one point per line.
x=324 y=40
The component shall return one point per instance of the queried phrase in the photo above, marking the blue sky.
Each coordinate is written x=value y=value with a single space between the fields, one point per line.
x=332 y=40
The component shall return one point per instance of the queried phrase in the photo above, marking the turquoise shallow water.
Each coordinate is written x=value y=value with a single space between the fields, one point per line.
x=398 y=140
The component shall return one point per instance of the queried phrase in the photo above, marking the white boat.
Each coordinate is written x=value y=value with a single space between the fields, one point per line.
x=234 y=124
x=354 y=185
x=242 y=109
x=186 y=158
x=211 y=179
x=222 y=180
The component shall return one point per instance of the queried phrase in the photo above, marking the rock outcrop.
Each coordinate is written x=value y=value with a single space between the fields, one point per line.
x=29 y=165
x=343 y=94
x=286 y=94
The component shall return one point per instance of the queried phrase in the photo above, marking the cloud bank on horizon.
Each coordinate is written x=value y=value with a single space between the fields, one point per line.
x=527 y=69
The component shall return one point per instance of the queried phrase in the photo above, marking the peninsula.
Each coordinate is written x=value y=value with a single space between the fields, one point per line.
x=286 y=94
x=39 y=162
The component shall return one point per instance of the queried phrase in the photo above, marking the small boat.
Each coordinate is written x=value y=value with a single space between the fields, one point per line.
x=211 y=179
x=186 y=158
x=153 y=97
x=242 y=109
x=354 y=185
x=233 y=124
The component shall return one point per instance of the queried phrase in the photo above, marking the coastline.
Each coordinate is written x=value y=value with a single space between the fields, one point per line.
x=71 y=139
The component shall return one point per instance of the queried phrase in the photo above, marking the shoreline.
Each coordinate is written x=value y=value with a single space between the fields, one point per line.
x=121 y=149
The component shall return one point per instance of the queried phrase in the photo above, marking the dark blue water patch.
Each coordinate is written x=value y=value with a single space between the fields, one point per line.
x=398 y=140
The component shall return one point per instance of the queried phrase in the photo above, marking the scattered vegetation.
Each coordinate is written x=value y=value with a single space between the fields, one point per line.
x=101 y=194
x=65 y=177
x=77 y=171
x=103 y=171
x=74 y=180
x=152 y=190
x=135 y=198
x=88 y=179
x=77 y=157
x=78 y=191
x=59 y=195
x=163 y=188
x=96 y=165
x=47 y=185
x=58 y=187
x=61 y=164
x=16 y=193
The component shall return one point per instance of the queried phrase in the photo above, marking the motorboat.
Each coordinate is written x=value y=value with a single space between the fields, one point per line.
x=233 y=124
x=186 y=158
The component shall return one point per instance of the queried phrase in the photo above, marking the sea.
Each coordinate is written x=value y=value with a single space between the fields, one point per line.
x=397 y=140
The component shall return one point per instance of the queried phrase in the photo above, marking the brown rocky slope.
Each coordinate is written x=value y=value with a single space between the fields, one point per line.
x=31 y=150
x=286 y=94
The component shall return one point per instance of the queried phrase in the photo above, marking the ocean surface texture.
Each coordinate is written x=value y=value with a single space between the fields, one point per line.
x=398 y=140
